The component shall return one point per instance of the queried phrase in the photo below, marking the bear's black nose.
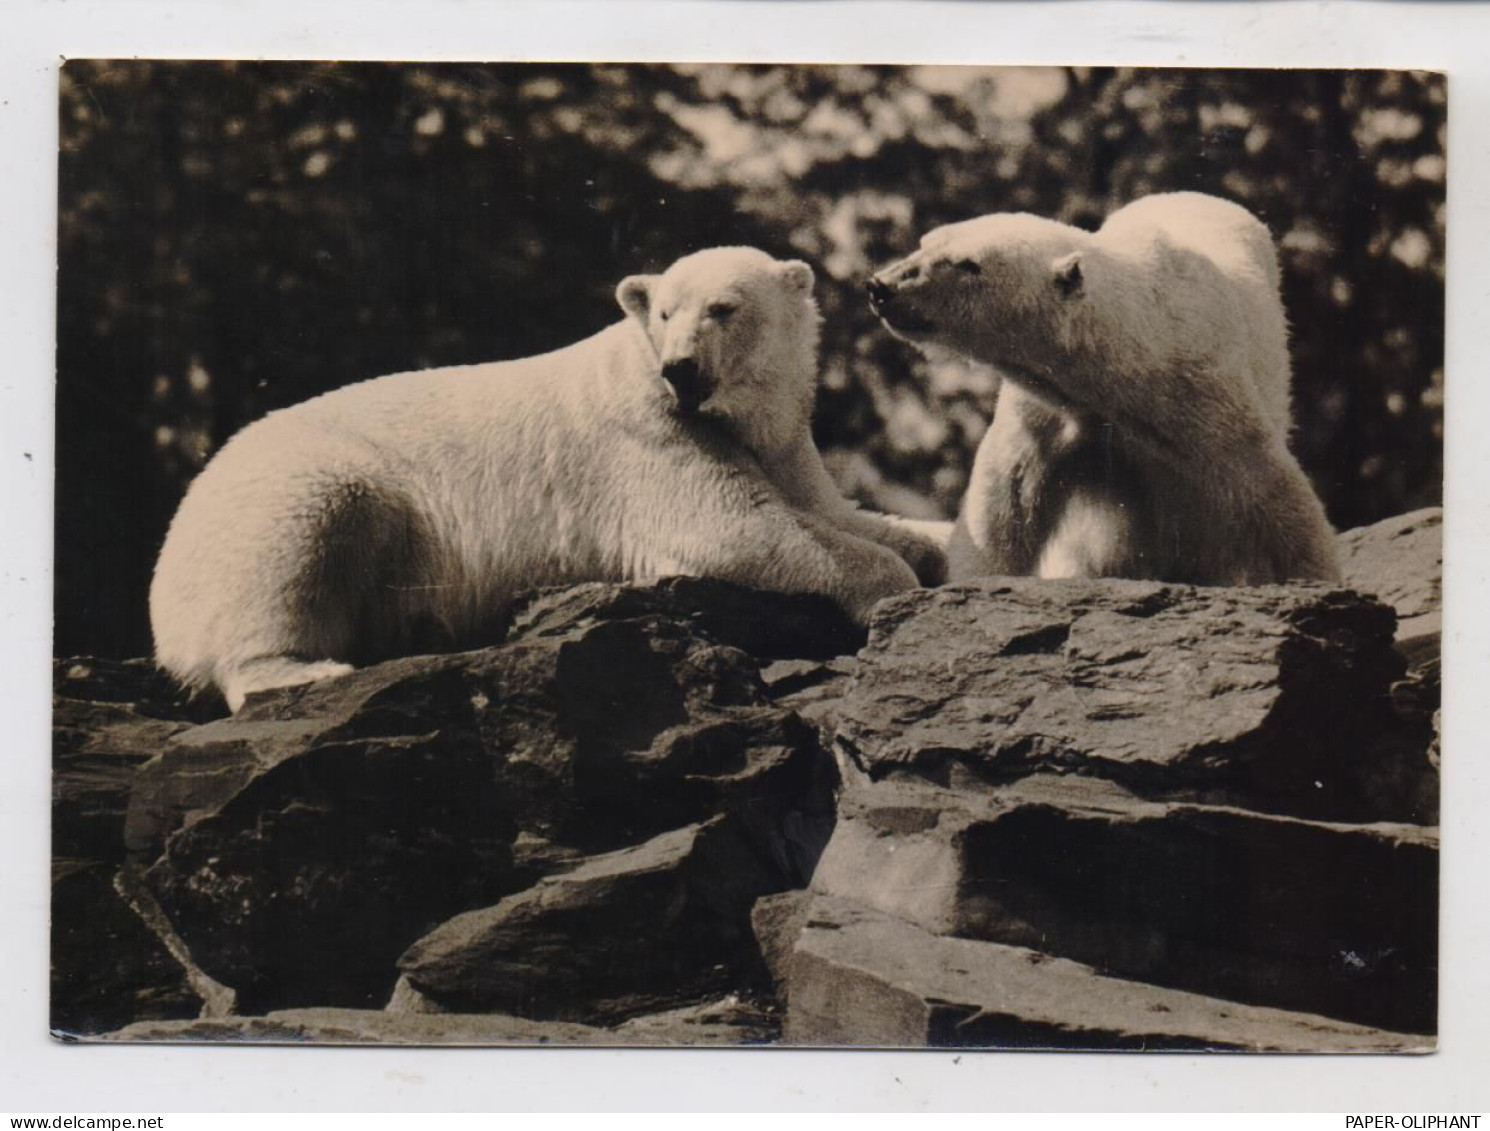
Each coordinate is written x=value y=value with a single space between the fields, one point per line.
x=688 y=383
x=880 y=292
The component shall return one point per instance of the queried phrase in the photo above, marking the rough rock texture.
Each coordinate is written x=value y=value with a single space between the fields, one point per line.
x=1339 y=919
x=109 y=967
x=300 y=846
x=1098 y=815
x=1169 y=689
x=97 y=987
x=728 y=1021
x=766 y=625
x=674 y=914
x=329 y=1026
x=108 y=719
x=860 y=977
x=777 y=920
x=303 y=882
x=1400 y=560
x=814 y=689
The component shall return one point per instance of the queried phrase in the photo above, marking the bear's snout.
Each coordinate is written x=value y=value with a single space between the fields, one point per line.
x=880 y=292
x=886 y=288
x=690 y=386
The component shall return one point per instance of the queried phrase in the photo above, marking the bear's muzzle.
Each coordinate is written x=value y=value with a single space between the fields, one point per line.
x=690 y=386
x=888 y=304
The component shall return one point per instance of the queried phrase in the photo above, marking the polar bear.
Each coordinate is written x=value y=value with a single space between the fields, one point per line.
x=1143 y=417
x=408 y=511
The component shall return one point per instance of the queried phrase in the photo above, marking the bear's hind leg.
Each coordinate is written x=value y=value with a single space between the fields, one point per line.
x=268 y=672
x=350 y=597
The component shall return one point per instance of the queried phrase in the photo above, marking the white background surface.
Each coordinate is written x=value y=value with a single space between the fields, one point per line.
x=37 y=1075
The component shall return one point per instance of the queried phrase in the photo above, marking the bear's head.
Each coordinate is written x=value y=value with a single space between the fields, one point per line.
x=734 y=331
x=1009 y=290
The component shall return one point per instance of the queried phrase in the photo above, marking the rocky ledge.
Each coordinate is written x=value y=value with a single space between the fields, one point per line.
x=1106 y=815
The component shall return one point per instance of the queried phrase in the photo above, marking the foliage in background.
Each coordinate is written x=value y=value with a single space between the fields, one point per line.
x=238 y=237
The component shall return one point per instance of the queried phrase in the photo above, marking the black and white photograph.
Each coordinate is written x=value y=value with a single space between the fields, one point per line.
x=710 y=554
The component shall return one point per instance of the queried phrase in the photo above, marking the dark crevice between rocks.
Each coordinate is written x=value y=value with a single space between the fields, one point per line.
x=1250 y=909
x=971 y=1027
x=1044 y=639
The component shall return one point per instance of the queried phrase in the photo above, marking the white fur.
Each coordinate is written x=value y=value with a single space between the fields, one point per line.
x=1142 y=426
x=1089 y=540
x=409 y=510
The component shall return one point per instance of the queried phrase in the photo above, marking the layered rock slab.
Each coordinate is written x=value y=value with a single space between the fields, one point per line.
x=1273 y=697
x=861 y=977
x=109 y=718
x=1323 y=917
x=333 y=1026
x=1400 y=560
x=727 y=1021
x=622 y=934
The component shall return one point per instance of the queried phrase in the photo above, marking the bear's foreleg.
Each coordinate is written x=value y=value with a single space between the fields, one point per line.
x=1014 y=492
x=806 y=485
x=728 y=520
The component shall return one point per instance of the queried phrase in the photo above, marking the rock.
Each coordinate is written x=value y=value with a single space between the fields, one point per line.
x=630 y=710
x=860 y=977
x=328 y=1026
x=205 y=767
x=301 y=879
x=109 y=717
x=811 y=688
x=1098 y=814
x=305 y=843
x=1165 y=688
x=777 y=920
x=108 y=967
x=96 y=750
x=729 y=1021
x=1400 y=560
x=136 y=683
x=763 y=624
x=629 y=932
x=604 y=695
x=1304 y=915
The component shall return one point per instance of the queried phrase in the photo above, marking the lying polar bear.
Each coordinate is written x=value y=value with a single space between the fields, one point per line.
x=415 y=507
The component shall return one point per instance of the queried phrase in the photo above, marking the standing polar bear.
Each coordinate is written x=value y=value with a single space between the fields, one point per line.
x=1143 y=418
x=415 y=507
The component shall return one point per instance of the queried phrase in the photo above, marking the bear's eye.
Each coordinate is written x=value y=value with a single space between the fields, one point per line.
x=664 y=314
x=720 y=311
x=969 y=266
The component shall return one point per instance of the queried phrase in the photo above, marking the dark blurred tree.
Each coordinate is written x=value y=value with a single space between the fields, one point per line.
x=237 y=237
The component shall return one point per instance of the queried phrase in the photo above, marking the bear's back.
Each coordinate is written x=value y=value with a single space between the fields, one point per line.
x=1239 y=301
x=429 y=413
x=1223 y=232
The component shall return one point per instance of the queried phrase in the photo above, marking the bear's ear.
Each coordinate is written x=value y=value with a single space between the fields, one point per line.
x=635 y=295
x=797 y=276
x=1067 y=272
